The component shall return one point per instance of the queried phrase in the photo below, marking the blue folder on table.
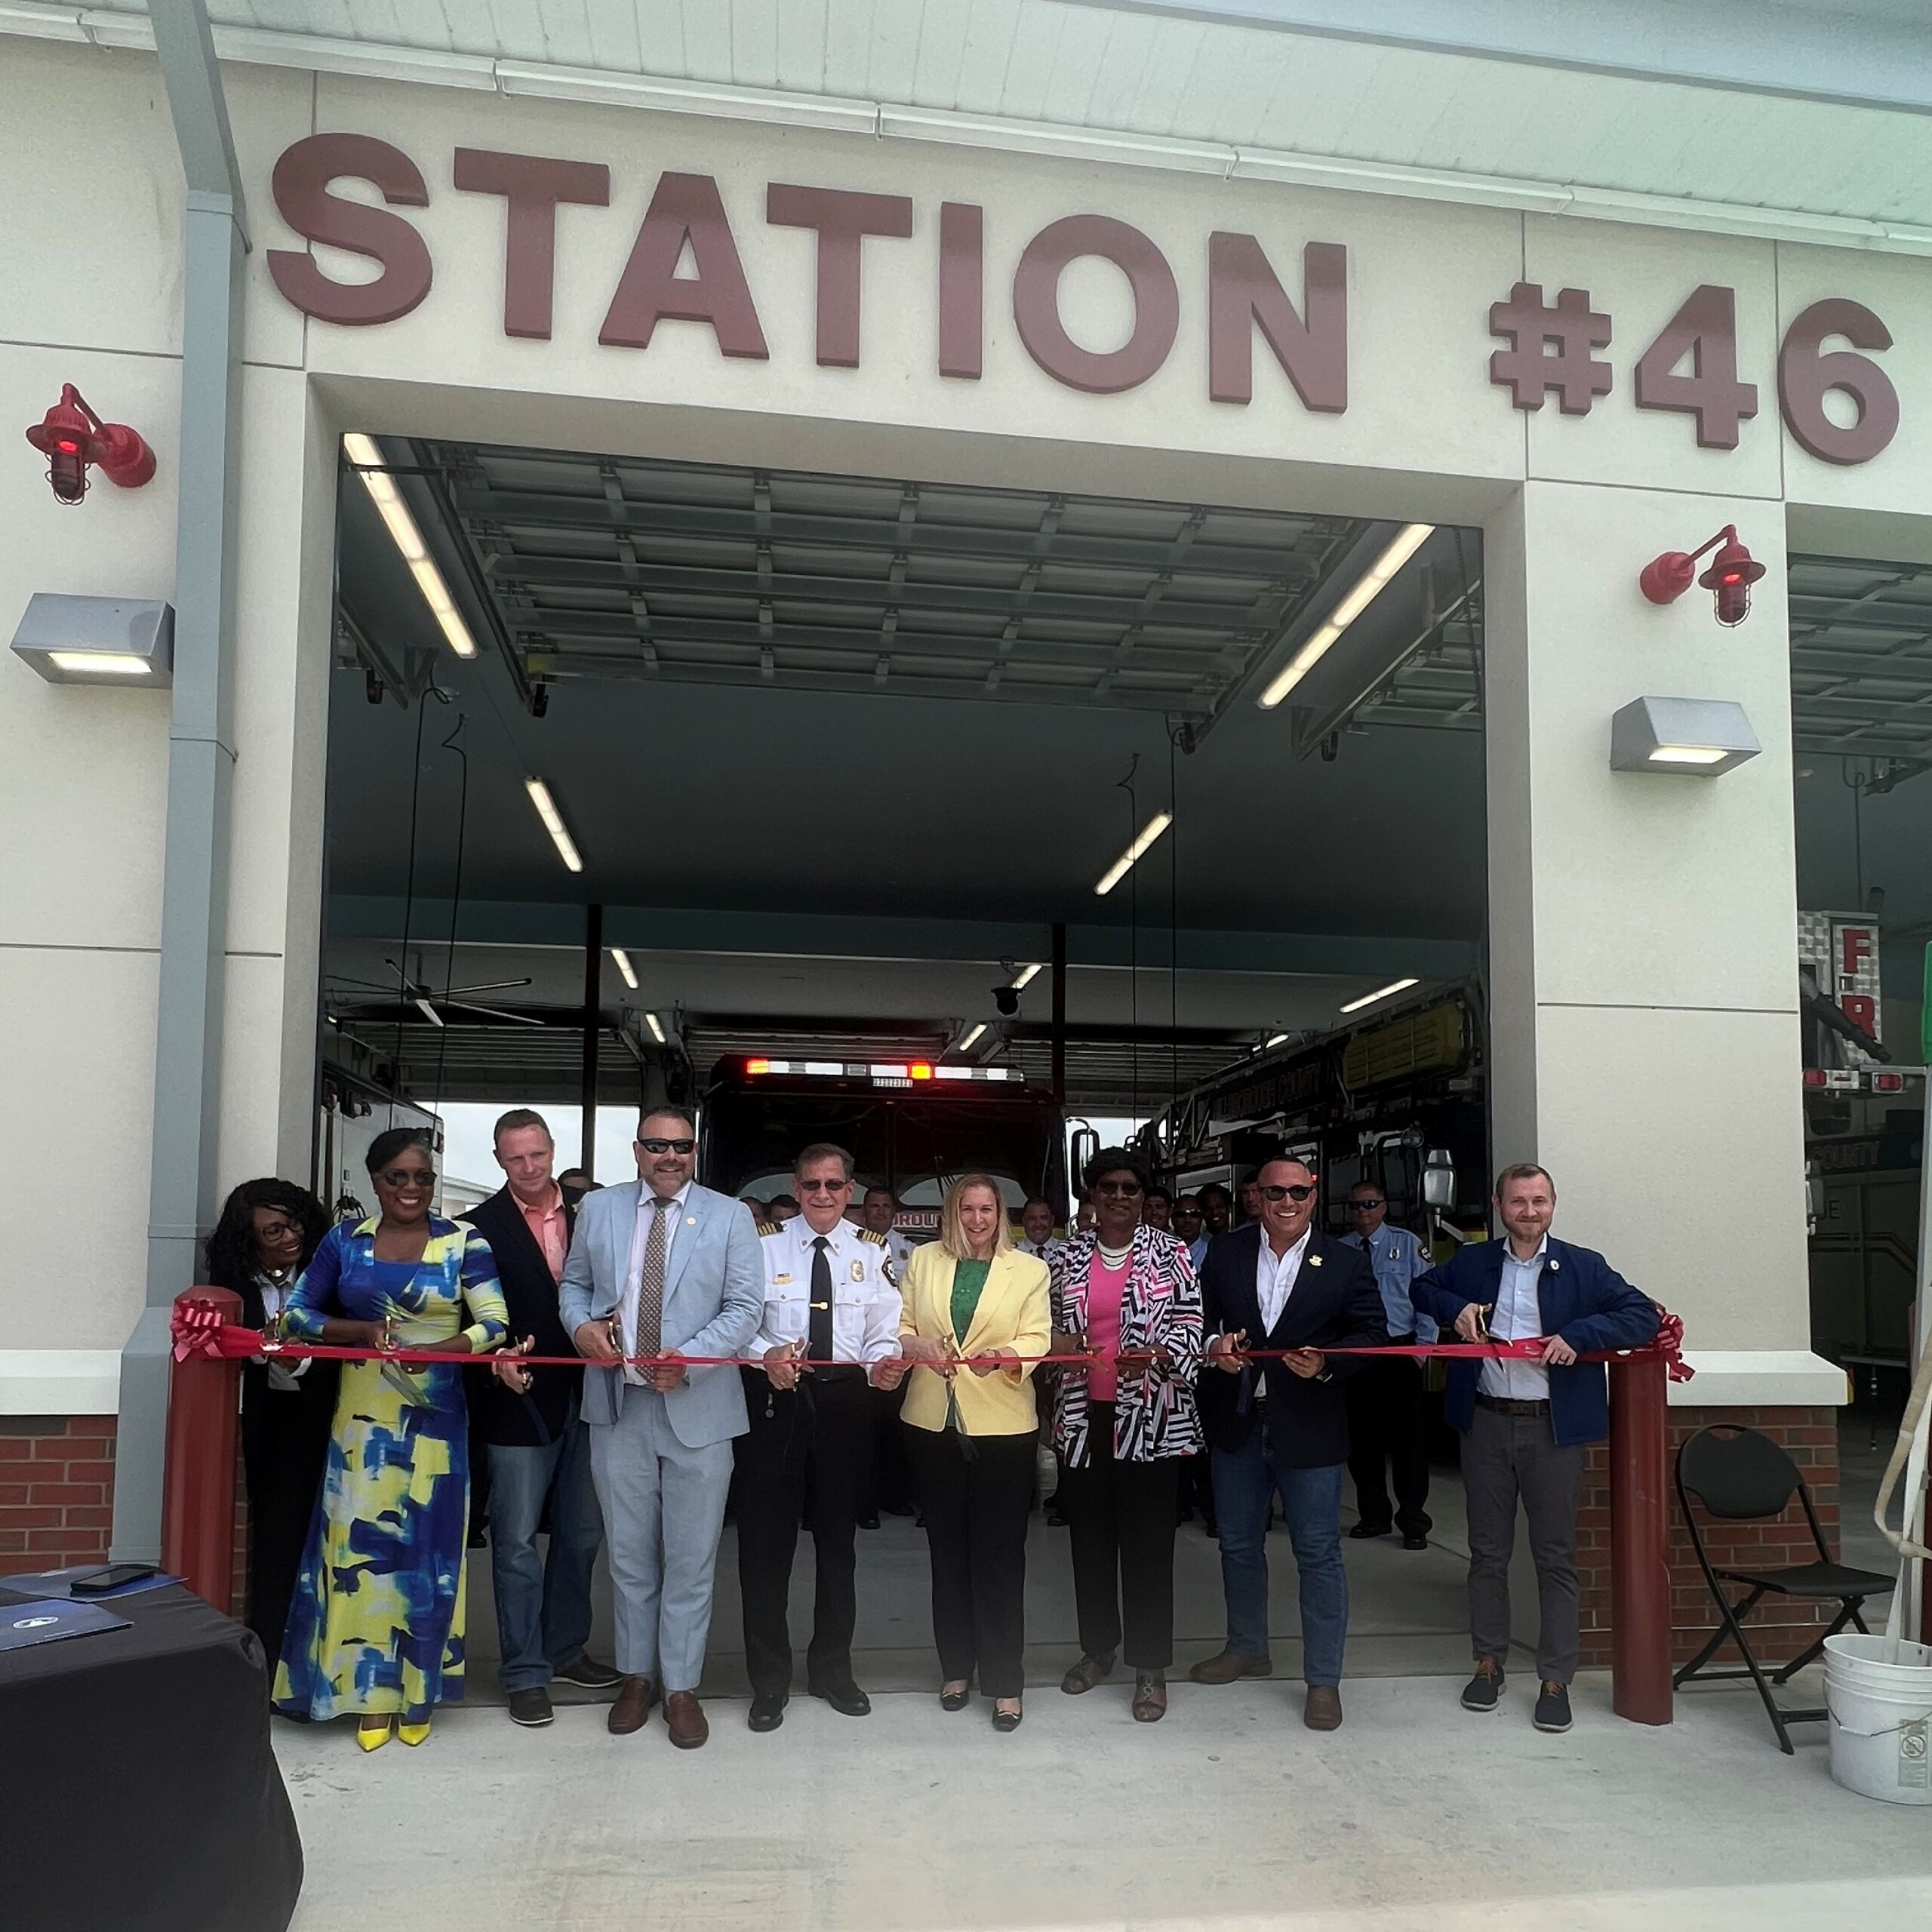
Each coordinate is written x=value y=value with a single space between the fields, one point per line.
x=23 y=1625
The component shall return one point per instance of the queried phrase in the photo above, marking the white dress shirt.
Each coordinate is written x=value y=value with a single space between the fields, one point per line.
x=283 y=1376
x=864 y=1303
x=1517 y=1313
x=674 y=1218
x=1274 y=1280
x=1047 y=1251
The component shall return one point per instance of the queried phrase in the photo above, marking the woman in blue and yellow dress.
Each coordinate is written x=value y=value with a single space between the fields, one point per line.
x=376 y=1626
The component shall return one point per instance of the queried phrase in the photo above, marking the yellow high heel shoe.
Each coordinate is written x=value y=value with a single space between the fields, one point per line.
x=414 y=1734
x=372 y=1734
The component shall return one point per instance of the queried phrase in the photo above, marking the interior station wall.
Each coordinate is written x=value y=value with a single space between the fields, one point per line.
x=1615 y=930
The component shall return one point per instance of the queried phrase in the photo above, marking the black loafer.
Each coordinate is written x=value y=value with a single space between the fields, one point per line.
x=956 y=1700
x=530 y=1708
x=587 y=1674
x=848 y=1699
x=1361 y=1532
x=767 y=1714
x=1007 y=1720
x=1415 y=1540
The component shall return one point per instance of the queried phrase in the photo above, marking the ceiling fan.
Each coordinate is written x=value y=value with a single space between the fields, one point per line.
x=420 y=995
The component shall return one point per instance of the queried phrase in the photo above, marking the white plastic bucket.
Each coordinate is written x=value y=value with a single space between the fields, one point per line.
x=1880 y=1715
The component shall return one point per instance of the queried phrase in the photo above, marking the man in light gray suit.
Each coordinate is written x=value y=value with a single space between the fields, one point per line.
x=667 y=1269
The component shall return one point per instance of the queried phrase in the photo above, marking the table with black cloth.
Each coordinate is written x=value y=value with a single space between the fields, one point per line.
x=138 y=1790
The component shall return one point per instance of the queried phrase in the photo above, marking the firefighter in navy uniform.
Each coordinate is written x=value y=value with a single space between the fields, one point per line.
x=807 y=1456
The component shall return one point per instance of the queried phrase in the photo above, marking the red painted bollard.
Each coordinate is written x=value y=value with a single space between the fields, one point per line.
x=198 y=1482
x=1640 y=1688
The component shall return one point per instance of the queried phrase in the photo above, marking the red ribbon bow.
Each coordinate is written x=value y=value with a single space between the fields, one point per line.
x=197 y=1327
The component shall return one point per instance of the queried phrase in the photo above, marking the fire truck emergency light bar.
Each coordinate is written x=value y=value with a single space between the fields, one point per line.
x=900 y=1072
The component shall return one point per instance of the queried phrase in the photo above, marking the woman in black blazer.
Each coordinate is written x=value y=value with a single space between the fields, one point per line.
x=268 y=1232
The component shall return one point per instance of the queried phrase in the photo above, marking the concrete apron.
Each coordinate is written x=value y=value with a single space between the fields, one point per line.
x=1415 y=1817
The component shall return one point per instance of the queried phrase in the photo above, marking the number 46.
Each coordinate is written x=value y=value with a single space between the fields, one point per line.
x=1706 y=330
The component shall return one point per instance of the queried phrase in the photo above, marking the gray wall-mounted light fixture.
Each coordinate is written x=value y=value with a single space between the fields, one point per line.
x=124 y=641
x=1696 y=737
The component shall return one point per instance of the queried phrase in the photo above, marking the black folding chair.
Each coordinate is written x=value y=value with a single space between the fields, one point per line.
x=1739 y=1476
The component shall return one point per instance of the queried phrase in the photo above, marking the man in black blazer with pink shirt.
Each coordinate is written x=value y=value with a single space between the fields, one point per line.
x=1281 y=1427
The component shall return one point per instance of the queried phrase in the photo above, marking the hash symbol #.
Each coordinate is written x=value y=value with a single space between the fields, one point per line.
x=1533 y=328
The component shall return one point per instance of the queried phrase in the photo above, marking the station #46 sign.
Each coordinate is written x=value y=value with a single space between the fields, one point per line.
x=1550 y=344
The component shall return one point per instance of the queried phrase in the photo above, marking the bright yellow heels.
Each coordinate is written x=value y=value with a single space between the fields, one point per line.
x=371 y=1734
x=414 y=1734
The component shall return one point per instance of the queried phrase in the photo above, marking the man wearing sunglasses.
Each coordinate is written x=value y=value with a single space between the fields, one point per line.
x=1280 y=1426
x=1385 y=1417
x=663 y=1270
x=829 y=1300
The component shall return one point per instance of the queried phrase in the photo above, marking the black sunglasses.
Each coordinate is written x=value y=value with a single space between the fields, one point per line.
x=1128 y=1188
x=1366 y=1201
x=822 y=1186
x=1293 y=1193
x=408 y=1178
x=661 y=1147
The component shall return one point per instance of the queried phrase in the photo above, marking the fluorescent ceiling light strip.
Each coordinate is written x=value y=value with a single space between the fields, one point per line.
x=1027 y=974
x=1376 y=580
x=656 y=1031
x=624 y=966
x=104 y=663
x=1121 y=866
x=1381 y=992
x=553 y=823
x=1275 y=1040
x=1688 y=754
x=402 y=526
x=970 y=1038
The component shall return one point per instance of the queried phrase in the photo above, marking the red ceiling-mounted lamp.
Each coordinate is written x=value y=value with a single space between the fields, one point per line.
x=71 y=436
x=1732 y=573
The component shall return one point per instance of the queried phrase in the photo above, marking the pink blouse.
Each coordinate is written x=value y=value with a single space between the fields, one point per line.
x=1105 y=1288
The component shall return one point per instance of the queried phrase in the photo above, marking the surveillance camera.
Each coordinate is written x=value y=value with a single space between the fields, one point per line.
x=1006 y=1000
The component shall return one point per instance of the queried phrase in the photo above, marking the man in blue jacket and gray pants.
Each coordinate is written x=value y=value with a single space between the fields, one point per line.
x=1526 y=1424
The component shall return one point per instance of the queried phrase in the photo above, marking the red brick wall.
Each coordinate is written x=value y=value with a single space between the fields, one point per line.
x=1809 y=1437
x=56 y=1490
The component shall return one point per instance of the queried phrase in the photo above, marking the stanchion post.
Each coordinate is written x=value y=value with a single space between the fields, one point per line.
x=1639 y=1541
x=198 y=1482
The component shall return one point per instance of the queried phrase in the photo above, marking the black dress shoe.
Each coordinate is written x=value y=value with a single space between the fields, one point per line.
x=588 y=1674
x=848 y=1699
x=1006 y=1720
x=530 y=1708
x=1414 y=1539
x=768 y=1713
x=868 y=1522
x=1362 y=1532
x=956 y=1700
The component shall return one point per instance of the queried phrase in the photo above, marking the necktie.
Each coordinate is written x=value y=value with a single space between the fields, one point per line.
x=650 y=1284
x=818 y=1335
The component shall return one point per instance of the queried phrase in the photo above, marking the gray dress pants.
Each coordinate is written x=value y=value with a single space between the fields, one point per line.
x=1505 y=1457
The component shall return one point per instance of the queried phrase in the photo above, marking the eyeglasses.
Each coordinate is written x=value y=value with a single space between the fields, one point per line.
x=402 y=1177
x=1366 y=1201
x=662 y=1146
x=1127 y=1188
x=1294 y=1193
x=822 y=1186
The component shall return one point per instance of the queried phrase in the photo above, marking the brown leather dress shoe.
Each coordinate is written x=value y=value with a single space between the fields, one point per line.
x=1323 y=1710
x=636 y=1696
x=1225 y=1665
x=683 y=1716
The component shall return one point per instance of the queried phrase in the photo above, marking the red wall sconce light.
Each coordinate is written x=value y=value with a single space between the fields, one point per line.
x=71 y=436
x=1732 y=573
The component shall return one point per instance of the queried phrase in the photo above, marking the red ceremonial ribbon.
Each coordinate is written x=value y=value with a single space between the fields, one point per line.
x=200 y=1329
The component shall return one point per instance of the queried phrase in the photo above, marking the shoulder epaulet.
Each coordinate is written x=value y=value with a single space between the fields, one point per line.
x=769 y=1227
x=873 y=1235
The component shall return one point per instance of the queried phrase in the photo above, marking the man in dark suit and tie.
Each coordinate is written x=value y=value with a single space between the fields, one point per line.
x=539 y=1449
x=1525 y=1425
x=1281 y=1427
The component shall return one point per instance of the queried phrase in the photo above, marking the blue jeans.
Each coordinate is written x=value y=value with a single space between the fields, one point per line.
x=542 y=1604
x=1245 y=1480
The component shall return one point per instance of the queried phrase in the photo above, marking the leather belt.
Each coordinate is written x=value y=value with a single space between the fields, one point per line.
x=1509 y=1405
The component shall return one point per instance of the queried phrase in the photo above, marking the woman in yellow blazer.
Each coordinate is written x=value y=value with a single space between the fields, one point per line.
x=973 y=1312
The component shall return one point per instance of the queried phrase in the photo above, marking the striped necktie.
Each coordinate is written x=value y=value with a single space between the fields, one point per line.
x=649 y=1335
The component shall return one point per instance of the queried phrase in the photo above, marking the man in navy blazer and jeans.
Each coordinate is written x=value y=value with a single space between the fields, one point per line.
x=1526 y=1424
x=1281 y=1426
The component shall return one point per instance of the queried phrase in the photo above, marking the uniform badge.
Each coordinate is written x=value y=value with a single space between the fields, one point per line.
x=781 y=1281
x=858 y=1271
